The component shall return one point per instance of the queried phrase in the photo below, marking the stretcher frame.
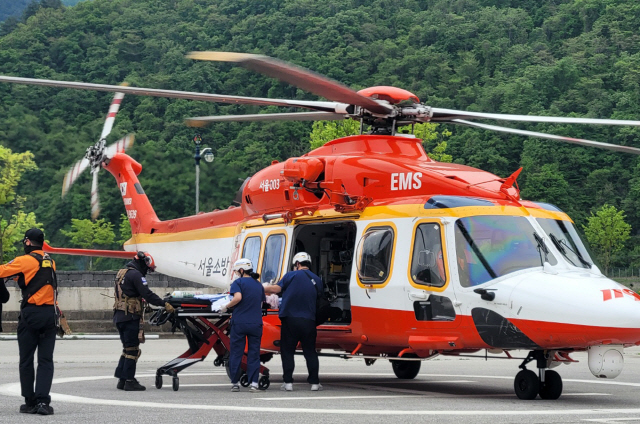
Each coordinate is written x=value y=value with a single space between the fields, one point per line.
x=205 y=331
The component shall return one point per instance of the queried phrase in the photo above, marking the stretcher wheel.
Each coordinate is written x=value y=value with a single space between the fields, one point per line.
x=158 y=382
x=244 y=380
x=217 y=362
x=176 y=384
x=264 y=383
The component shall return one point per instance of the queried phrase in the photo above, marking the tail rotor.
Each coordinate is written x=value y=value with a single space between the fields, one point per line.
x=97 y=155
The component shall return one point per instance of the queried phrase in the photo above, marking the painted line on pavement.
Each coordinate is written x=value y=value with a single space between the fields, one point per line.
x=13 y=389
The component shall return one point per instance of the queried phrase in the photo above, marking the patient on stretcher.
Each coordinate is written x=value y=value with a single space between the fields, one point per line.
x=274 y=301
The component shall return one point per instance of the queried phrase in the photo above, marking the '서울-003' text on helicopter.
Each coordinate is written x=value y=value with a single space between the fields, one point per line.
x=419 y=258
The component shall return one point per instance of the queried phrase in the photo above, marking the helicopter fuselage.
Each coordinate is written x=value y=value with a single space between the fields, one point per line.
x=418 y=257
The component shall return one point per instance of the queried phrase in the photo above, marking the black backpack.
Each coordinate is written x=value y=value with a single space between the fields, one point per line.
x=322 y=304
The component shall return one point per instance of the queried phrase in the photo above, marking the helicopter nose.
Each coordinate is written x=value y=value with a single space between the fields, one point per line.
x=576 y=310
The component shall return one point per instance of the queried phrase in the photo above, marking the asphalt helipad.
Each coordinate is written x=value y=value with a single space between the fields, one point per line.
x=447 y=390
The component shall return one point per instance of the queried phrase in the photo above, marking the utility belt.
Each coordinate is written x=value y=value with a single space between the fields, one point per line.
x=129 y=305
x=33 y=305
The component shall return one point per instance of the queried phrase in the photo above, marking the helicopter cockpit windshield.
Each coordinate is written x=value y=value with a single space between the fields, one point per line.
x=566 y=239
x=488 y=247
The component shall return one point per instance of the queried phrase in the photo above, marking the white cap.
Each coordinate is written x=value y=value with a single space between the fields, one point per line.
x=301 y=257
x=243 y=263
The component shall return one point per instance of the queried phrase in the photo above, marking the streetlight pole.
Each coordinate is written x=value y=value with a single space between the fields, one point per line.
x=197 y=139
x=208 y=156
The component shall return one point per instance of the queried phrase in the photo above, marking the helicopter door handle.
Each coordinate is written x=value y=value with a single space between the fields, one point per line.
x=418 y=295
x=486 y=294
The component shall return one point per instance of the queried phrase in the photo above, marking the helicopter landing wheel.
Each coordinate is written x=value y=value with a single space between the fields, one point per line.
x=551 y=389
x=244 y=380
x=406 y=370
x=526 y=385
x=264 y=383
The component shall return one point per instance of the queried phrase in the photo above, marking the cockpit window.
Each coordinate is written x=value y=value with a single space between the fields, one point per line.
x=565 y=238
x=251 y=250
x=427 y=264
x=489 y=247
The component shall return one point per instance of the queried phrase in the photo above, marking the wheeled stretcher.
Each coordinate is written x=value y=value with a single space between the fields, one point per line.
x=205 y=330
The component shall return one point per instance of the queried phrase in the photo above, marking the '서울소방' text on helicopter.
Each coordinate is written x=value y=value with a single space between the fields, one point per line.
x=419 y=258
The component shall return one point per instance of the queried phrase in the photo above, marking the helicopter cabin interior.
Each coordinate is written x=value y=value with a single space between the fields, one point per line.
x=331 y=247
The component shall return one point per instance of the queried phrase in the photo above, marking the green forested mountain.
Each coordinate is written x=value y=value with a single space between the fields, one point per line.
x=12 y=8
x=560 y=57
x=16 y=8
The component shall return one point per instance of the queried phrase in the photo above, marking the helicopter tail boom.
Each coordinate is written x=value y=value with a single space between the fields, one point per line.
x=140 y=213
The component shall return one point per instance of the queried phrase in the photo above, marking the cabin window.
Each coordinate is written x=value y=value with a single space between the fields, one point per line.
x=376 y=248
x=272 y=260
x=251 y=250
x=427 y=263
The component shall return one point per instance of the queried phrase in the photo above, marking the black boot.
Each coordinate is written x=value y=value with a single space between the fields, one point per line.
x=28 y=409
x=44 y=409
x=133 y=386
x=121 y=382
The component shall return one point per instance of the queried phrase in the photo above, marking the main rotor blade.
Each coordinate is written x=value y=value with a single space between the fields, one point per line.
x=299 y=77
x=120 y=146
x=111 y=116
x=578 y=141
x=203 y=121
x=73 y=173
x=95 y=201
x=451 y=114
x=216 y=98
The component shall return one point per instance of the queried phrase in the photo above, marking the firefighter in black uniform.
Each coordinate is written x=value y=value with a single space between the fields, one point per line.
x=38 y=320
x=130 y=289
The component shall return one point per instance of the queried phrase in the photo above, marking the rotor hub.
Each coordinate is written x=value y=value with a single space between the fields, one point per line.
x=95 y=154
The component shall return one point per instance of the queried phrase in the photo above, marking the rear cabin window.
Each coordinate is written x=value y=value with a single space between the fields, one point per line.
x=376 y=248
x=251 y=250
x=427 y=263
x=272 y=260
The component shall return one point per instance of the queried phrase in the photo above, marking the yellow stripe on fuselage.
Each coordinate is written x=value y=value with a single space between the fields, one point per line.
x=370 y=213
x=202 y=234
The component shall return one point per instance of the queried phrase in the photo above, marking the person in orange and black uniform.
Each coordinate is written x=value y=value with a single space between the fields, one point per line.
x=37 y=323
x=130 y=289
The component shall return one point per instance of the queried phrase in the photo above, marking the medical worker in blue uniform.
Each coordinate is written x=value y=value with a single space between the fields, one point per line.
x=299 y=289
x=246 y=323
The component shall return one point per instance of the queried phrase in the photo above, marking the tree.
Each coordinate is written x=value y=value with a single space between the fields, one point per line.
x=323 y=132
x=13 y=166
x=90 y=235
x=125 y=229
x=607 y=232
x=13 y=220
x=12 y=232
x=433 y=141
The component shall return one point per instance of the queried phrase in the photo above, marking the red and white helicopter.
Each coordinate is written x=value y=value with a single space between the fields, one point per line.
x=421 y=258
